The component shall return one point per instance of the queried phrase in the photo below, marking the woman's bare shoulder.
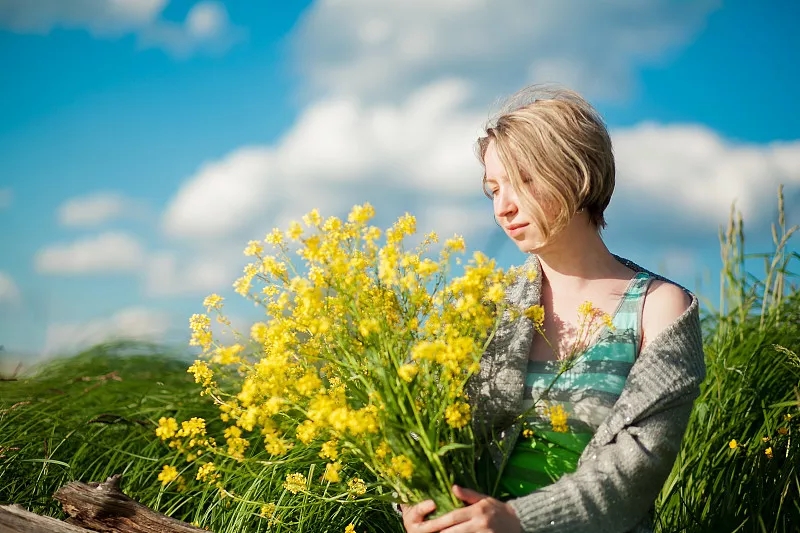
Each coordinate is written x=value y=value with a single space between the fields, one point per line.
x=664 y=303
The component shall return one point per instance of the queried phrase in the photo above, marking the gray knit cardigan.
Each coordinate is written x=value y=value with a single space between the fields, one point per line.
x=624 y=466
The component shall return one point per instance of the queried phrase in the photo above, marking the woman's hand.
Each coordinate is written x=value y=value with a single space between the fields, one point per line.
x=481 y=515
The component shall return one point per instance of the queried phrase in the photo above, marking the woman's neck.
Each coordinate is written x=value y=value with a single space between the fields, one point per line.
x=577 y=256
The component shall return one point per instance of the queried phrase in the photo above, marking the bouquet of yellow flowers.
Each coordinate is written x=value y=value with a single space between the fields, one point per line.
x=361 y=360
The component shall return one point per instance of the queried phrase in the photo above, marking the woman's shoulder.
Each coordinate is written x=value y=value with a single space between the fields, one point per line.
x=664 y=304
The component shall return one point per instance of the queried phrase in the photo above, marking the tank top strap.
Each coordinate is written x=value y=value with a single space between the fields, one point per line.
x=629 y=313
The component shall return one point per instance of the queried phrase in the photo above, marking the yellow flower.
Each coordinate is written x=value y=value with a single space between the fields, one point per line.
x=558 y=418
x=207 y=473
x=527 y=433
x=167 y=427
x=356 y=486
x=455 y=244
x=535 y=314
x=295 y=231
x=350 y=529
x=787 y=417
x=783 y=430
x=312 y=218
x=457 y=415
x=382 y=451
x=768 y=452
x=253 y=248
x=332 y=472
x=361 y=214
x=330 y=450
x=212 y=301
x=202 y=373
x=267 y=510
x=295 y=483
x=733 y=444
x=275 y=237
x=765 y=439
x=402 y=466
x=168 y=474
x=407 y=372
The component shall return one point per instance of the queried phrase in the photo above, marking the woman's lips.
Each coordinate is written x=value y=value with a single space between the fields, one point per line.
x=516 y=229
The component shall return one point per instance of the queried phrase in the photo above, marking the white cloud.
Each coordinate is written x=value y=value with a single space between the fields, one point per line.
x=339 y=153
x=692 y=171
x=374 y=49
x=172 y=274
x=109 y=252
x=206 y=26
x=9 y=291
x=95 y=209
x=6 y=198
x=134 y=323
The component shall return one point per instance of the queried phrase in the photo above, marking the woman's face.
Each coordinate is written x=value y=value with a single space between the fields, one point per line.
x=508 y=211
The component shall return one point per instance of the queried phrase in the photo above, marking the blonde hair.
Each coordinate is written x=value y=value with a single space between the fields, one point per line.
x=557 y=154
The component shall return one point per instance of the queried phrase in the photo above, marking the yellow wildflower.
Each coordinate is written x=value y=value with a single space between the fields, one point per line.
x=275 y=237
x=765 y=439
x=402 y=466
x=783 y=430
x=212 y=301
x=253 y=248
x=167 y=427
x=787 y=417
x=733 y=444
x=332 y=470
x=313 y=218
x=382 y=451
x=457 y=415
x=168 y=474
x=330 y=450
x=527 y=433
x=295 y=483
x=535 y=314
x=267 y=510
x=361 y=214
x=768 y=452
x=202 y=373
x=350 y=528
x=295 y=231
x=455 y=244
x=407 y=372
x=356 y=486
x=558 y=418
x=207 y=473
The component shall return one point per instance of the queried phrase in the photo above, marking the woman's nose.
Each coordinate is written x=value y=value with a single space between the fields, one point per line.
x=504 y=204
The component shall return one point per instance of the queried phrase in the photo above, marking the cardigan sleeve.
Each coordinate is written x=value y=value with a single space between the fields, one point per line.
x=625 y=466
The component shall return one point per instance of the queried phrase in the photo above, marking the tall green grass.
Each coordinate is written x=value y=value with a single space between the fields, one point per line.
x=93 y=415
x=751 y=395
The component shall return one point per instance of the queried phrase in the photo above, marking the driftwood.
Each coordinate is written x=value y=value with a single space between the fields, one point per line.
x=94 y=507
x=15 y=519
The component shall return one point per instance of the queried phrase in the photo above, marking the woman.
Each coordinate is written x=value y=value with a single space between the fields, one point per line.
x=549 y=170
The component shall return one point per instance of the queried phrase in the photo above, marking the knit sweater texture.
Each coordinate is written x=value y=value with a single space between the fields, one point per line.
x=625 y=465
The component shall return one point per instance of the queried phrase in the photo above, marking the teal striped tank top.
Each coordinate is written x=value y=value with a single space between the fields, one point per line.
x=586 y=393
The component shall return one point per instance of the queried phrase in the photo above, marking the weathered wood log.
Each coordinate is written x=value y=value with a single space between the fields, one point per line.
x=103 y=507
x=15 y=519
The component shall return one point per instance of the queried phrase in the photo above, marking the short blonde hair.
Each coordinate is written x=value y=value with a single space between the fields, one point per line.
x=557 y=153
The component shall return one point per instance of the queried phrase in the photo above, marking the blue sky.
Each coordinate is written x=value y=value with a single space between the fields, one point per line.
x=142 y=143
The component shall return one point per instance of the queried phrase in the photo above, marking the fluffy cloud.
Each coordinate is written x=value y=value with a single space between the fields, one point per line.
x=689 y=173
x=95 y=209
x=172 y=274
x=338 y=153
x=9 y=292
x=374 y=49
x=206 y=26
x=110 y=252
x=6 y=197
x=134 y=323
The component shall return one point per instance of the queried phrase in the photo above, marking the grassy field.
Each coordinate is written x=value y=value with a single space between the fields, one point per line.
x=92 y=415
